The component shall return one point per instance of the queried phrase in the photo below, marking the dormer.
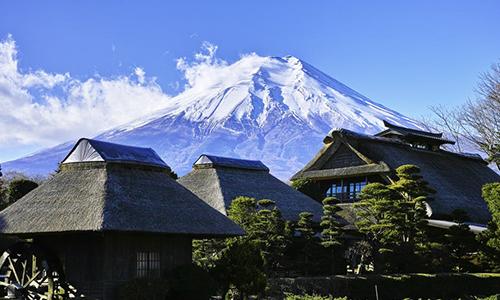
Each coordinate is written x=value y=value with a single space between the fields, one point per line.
x=416 y=138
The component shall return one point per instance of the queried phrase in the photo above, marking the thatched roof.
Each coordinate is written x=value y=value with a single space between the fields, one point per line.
x=457 y=178
x=219 y=181
x=125 y=196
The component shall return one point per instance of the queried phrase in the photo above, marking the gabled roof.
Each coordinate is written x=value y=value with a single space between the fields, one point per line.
x=88 y=150
x=97 y=196
x=206 y=160
x=218 y=185
x=457 y=178
x=413 y=134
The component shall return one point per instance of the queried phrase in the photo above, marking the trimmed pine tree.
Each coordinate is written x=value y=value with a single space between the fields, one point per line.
x=331 y=235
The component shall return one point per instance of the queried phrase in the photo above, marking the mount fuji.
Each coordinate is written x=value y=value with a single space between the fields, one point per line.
x=274 y=109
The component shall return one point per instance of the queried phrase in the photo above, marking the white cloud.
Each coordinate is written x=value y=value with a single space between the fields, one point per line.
x=139 y=72
x=41 y=108
x=201 y=71
x=206 y=71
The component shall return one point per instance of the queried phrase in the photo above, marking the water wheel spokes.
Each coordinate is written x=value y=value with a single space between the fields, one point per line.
x=29 y=272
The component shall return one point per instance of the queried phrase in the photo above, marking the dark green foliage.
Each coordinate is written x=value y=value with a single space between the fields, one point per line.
x=331 y=235
x=460 y=244
x=491 y=194
x=208 y=252
x=393 y=219
x=16 y=189
x=409 y=286
x=190 y=282
x=490 y=238
x=375 y=213
x=242 y=264
x=270 y=235
x=241 y=268
x=359 y=255
x=305 y=226
x=306 y=231
x=308 y=187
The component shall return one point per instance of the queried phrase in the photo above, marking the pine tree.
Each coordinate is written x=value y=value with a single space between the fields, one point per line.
x=270 y=234
x=306 y=230
x=245 y=262
x=460 y=243
x=490 y=238
x=375 y=212
x=393 y=217
x=332 y=230
x=491 y=194
x=411 y=208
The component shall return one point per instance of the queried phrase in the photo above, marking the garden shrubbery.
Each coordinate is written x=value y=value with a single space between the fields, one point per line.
x=414 y=286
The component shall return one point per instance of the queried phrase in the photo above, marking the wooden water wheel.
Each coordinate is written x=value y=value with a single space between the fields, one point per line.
x=27 y=271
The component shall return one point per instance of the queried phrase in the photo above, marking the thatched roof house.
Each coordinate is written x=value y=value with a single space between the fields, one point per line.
x=348 y=161
x=109 y=187
x=218 y=180
x=111 y=214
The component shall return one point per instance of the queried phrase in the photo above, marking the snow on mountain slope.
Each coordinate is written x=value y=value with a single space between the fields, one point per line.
x=269 y=108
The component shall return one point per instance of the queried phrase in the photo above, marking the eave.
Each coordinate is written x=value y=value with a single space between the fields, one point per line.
x=363 y=170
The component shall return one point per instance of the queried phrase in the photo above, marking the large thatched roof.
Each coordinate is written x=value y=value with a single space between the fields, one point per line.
x=129 y=195
x=457 y=178
x=218 y=180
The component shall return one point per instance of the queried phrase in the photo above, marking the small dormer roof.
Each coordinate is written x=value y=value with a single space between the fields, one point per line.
x=413 y=135
x=88 y=150
x=212 y=161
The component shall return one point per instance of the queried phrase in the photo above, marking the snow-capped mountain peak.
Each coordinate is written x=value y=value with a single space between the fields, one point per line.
x=276 y=109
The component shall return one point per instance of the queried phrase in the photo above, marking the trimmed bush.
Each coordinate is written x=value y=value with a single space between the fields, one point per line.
x=414 y=286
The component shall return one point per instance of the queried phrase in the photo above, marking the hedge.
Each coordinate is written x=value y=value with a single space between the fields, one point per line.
x=413 y=286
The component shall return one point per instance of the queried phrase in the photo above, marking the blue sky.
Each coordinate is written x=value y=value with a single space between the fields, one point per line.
x=405 y=55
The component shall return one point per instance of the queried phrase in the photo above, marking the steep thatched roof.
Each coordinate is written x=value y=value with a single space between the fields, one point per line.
x=126 y=196
x=457 y=178
x=220 y=180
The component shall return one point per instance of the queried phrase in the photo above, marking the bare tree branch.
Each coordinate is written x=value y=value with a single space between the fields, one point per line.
x=477 y=121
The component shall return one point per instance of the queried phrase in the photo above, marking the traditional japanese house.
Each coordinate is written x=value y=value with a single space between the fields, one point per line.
x=112 y=213
x=219 y=180
x=348 y=161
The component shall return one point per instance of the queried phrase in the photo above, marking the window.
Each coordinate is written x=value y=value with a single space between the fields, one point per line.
x=346 y=190
x=148 y=264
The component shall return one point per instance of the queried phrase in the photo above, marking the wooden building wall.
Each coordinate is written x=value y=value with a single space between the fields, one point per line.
x=97 y=264
x=343 y=157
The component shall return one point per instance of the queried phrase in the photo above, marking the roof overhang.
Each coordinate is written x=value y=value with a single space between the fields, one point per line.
x=475 y=228
x=363 y=170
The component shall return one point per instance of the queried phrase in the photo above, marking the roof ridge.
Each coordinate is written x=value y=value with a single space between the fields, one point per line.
x=347 y=132
x=219 y=188
x=427 y=133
